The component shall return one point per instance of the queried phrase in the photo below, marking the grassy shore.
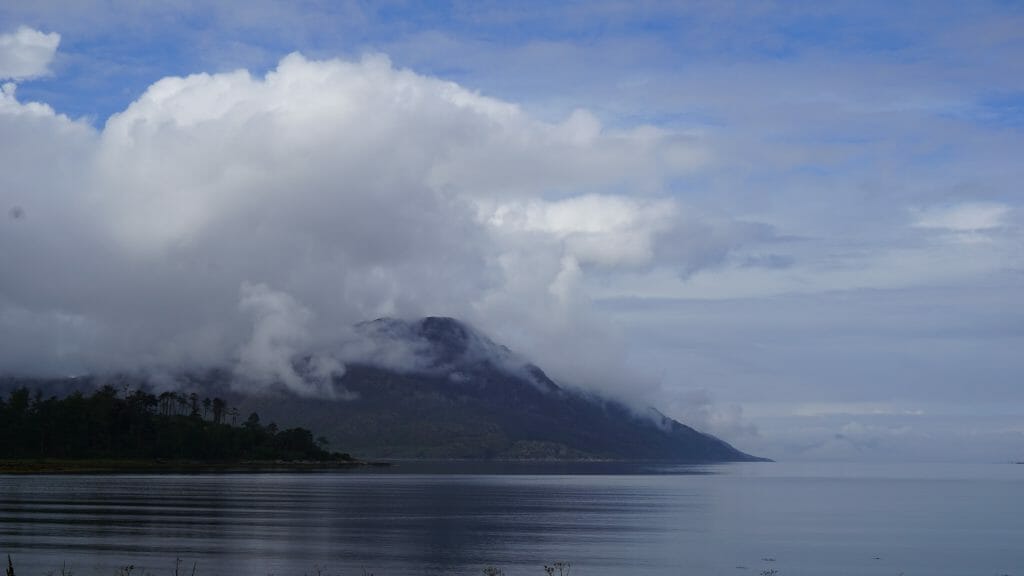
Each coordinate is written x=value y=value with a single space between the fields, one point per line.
x=106 y=466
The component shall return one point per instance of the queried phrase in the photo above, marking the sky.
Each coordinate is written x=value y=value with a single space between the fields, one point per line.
x=796 y=225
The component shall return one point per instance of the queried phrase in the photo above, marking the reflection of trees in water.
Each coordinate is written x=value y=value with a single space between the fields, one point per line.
x=284 y=523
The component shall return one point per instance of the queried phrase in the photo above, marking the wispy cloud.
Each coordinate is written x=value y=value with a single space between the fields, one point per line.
x=965 y=217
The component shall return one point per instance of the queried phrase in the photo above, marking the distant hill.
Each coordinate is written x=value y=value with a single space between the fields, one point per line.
x=437 y=388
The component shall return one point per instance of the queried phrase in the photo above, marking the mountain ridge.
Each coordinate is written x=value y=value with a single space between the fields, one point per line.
x=456 y=393
x=435 y=387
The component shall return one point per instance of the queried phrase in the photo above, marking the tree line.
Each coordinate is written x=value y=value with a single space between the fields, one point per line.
x=136 y=424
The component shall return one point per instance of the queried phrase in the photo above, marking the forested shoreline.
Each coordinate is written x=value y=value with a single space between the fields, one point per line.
x=138 y=425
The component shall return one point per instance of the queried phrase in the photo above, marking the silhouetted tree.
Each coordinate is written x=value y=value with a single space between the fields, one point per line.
x=107 y=424
x=166 y=400
x=193 y=404
x=252 y=422
x=218 y=410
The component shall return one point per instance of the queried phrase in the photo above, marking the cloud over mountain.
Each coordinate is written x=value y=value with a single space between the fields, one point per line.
x=242 y=219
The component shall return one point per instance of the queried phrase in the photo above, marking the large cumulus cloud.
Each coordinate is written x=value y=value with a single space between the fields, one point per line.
x=237 y=219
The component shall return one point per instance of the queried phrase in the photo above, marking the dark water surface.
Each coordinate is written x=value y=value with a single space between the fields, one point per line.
x=737 y=519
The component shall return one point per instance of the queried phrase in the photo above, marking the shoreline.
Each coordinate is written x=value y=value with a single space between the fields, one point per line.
x=114 y=465
x=25 y=466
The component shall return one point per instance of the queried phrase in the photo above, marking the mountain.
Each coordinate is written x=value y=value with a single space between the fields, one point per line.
x=437 y=388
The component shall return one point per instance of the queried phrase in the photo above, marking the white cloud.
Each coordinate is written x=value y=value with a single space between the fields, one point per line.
x=594 y=229
x=326 y=193
x=27 y=53
x=280 y=337
x=850 y=408
x=964 y=217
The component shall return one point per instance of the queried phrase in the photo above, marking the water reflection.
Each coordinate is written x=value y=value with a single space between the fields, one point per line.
x=413 y=520
x=287 y=523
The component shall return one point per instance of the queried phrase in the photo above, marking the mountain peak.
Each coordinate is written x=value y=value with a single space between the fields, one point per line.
x=429 y=327
x=444 y=330
x=432 y=343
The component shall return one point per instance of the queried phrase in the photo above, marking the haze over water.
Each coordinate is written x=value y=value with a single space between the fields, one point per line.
x=734 y=519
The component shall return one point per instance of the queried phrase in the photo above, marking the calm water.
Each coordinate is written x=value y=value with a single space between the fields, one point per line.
x=736 y=520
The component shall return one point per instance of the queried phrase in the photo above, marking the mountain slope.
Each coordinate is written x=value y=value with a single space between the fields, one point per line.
x=436 y=388
x=454 y=393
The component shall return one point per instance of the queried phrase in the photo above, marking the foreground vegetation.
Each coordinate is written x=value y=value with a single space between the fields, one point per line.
x=113 y=430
